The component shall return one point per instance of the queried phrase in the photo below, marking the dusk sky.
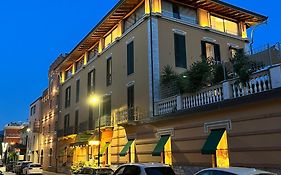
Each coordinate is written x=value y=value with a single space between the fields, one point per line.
x=34 y=32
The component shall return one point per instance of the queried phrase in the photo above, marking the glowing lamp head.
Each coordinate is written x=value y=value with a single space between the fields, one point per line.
x=93 y=100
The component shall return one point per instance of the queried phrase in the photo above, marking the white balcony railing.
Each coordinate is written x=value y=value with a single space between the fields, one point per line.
x=261 y=81
x=105 y=121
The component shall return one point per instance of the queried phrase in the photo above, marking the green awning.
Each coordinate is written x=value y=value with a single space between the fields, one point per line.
x=104 y=148
x=212 y=141
x=160 y=145
x=126 y=148
x=83 y=137
x=81 y=140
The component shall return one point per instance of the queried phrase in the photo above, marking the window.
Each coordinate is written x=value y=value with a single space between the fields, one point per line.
x=67 y=97
x=159 y=171
x=50 y=158
x=33 y=110
x=76 y=123
x=132 y=170
x=77 y=90
x=110 y=38
x=232 y=52
x=66 y=124
x=79 y=64
x=130 y=58
x=210 y=51
x=91 y=118
x=120 y=171
x=180 y=50
x=68 y=73
x=93 y=53
x=91 y=81
x=133 y=18
x=176 y=11
x=180 y=12
x=224 y=25
x=106 y=107
x=108 y=71
x=131 y=102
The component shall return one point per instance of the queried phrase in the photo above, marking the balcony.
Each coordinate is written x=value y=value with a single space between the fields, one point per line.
x=105 y=122
x=128 y=116
x=261 y=81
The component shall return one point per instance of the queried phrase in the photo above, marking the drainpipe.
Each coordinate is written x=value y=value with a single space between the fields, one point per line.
x=151 y=56
x=253 y=32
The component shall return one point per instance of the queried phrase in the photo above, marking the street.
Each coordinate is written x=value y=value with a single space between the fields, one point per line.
x=45 y=172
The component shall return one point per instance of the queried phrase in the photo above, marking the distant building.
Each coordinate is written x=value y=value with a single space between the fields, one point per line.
x=12 y=133
x=34 y=130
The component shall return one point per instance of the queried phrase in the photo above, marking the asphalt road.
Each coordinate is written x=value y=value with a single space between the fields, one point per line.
x=44 y=173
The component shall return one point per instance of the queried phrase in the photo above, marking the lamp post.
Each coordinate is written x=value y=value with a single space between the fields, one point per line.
x=93 y=101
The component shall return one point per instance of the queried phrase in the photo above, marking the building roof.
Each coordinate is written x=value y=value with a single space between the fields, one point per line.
x=123 y=7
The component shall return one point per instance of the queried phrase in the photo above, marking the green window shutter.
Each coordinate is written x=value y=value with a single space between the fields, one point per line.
x=126 y=148
x=217 y=52
x=180 y=50
x=160 y=145
x=212 y=141
x=203 y=50
x=130 y=58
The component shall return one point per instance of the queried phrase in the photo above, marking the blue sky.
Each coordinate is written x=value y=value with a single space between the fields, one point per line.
x=34 y=32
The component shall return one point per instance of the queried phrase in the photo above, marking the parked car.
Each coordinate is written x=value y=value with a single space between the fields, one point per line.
x=16 y=166
x=233 y=171
x=10 y=166
x=144 y=169
x=33 y=168
x=95 y=171
x=21 y=166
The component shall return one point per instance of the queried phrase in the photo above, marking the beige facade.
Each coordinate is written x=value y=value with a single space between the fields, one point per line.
x=142 y=123
x=34 y=131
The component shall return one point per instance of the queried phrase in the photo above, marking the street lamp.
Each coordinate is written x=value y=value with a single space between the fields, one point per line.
x=93 y=100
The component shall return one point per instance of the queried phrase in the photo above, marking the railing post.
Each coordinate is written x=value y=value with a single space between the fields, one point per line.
x=275 y=76
x=227 y=90
x=179 y=103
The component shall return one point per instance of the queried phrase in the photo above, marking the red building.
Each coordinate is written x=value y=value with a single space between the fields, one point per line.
x=12 y=133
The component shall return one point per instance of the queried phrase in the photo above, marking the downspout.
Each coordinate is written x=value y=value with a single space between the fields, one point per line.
x=151 y=57
x=253 y=32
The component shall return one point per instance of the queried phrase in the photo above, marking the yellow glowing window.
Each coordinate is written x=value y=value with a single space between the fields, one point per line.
x=217 y=23
x=114 y=34
x=231 y=27
x=107 y=40
x=224 y=25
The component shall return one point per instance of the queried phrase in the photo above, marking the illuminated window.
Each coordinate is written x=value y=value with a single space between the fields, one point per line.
x=110 y=38
x=232 y=52
x=217 y=23
x=231 y=27
x=210 y=51
x=224 y=25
